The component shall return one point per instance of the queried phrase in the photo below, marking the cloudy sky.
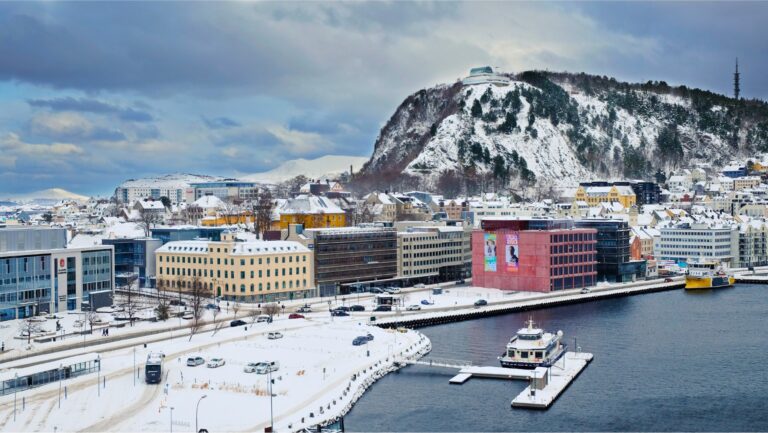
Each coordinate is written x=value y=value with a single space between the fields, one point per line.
x=94 y=93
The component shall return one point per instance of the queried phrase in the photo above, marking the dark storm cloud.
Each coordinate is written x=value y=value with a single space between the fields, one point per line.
x=92 y=106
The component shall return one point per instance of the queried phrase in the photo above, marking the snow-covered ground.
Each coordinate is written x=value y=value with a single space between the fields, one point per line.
x=317 y=364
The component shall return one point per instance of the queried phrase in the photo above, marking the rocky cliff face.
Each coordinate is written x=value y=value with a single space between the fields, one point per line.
x=561 y=129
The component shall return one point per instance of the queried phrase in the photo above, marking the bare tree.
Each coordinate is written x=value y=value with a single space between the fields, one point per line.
x=271 y=310
x=197 y=297
x=131 y=303
x=235 y=308
x=231 y=212
x=26 y=328
x=262 y=211
x=147 y=220
x=191 y=213
x=91 y=317
x=163 y=308
x=253 y=314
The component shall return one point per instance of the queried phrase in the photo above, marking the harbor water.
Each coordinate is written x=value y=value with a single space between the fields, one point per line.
x=668 y=361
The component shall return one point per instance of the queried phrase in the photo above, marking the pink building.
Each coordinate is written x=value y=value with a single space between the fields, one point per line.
x=537 y=255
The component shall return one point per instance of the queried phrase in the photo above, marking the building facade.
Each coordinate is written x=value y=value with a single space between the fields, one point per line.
x=31 y=238
x=134 y=258
x=538 y=255
x=595 y=193
x=227 y=190
x=55 y=280
x=173 y=234
x=698 y=241
x=612 y=248
x=256 y=271
x=434 y=253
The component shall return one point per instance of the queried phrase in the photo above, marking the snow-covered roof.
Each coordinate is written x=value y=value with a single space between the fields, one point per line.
x=308 y=204
x=249 y=248
x=209 y=202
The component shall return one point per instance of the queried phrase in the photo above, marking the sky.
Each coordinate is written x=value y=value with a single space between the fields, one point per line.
x=93 y=93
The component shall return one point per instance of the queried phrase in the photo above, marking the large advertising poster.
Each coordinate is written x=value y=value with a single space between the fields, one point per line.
x=512 y=252
x=490 y=252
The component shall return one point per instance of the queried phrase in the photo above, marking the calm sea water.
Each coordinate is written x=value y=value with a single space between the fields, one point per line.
x=670 y=361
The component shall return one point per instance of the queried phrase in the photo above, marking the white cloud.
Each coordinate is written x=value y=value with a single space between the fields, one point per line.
x=62 y=123
x=299 y=142
x=15 y=146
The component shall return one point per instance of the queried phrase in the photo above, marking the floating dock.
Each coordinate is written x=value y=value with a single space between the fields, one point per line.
x=547 y=384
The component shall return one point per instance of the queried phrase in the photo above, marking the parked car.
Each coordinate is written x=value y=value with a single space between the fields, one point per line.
x=585 y=290
x=426 y=302
x=342 y=308
x=304 y=309
x=251 y=367
x=194 y=361
x=215 y=363
x=383 y=308
x=420 y=286
x=339 y=313
x=188 y=315
x=369 y=336
x=237 y=322
x=414 y=307
x=266 y=367
x=211 y=306
x=394 y=290
x=275 y=335
x=376 y=290
x=481 y=302
x=402 y=330
x=667 y=280
x=263 y=318
x=359 y=341
x=356 y=308
x=295 y=316
x=177 y=303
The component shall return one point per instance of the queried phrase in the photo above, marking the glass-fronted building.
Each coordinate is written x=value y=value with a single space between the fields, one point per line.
x=134 y=258
x=57 y=280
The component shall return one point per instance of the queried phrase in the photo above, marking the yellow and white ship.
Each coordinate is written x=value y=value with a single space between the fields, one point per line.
x=707 y=275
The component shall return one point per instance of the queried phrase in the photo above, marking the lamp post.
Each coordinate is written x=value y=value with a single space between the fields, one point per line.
x=271 y=413
x=61 y=373
x=197 y=408
x=134 y=366
x=98 y=375
x=171 y=419
x=15 y=388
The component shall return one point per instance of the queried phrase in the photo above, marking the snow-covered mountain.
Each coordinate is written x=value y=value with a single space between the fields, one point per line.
x=173 y=180
x=48 y=195
x=562 y=128
x=328 y=166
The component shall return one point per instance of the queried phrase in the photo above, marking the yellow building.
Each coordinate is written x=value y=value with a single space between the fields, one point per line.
x=314 y=212
x=255 y=271
x=594 y=195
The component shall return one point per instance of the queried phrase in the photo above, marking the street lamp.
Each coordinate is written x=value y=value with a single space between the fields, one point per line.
x=197 y=408
x=171 y=419
x=61 y=372
x=134 y=366
x=271 y=413
x=98 y=375
x=15 y=388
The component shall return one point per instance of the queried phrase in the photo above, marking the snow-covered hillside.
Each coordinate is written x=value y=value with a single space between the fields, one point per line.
x=329 y=166
x=51 y=194
x=174 y=180
x=562 y=128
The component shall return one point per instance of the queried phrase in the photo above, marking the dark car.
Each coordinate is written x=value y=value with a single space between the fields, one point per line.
x=359 y=341
x=376 y=290
x=342 y=308
x=177 y=303
x=211 y=306
x=480 y=302
x=383 y=308
x=369 y=336
x=237 y=322
x=667 y=280
x=356 y=308
x=339 y=313
x=295 y=316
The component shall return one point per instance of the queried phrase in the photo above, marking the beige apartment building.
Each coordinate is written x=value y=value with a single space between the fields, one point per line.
x=253 y=271
x=432 y=252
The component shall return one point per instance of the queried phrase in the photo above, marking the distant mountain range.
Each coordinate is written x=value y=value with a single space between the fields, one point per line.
x=329 y=166
x=47 y=195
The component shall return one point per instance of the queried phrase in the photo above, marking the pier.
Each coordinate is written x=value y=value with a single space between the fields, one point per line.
x=546 y=384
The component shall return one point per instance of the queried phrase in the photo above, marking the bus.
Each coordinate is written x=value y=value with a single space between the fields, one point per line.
x=153 y=370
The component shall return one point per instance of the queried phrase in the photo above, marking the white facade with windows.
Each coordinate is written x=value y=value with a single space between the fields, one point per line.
x=698 y=241
x=438 y=253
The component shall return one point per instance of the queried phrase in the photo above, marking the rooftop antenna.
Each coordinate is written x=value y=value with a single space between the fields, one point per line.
x=736 y=81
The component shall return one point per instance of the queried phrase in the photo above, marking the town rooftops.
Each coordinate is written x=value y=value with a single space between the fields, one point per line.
x=249 y=248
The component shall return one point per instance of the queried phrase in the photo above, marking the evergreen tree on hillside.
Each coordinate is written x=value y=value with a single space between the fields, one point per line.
x=477 y=109
x=668 y=144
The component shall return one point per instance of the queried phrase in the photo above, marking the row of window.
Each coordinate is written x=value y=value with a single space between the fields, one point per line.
x=567 y=259
x=185 y=272
x=571 y=248
x=572 y=237
x=204 y=260
x=570 y=270
x=432 y=254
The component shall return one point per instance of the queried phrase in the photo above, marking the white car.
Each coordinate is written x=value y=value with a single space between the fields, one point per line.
x=215 y=363
x=266 y=367
x=394 y=290
x=275 y=335
x=188 y=315
x=585 y=290
x=413 y=308
x=263 y=319
x=251 y=367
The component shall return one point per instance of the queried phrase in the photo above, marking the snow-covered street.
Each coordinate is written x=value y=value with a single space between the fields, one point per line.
x=320 y=374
